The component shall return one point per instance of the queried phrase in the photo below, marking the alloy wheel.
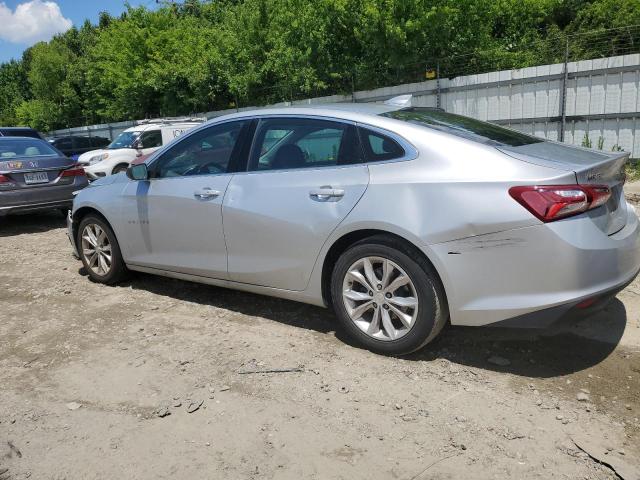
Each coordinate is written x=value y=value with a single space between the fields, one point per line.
x=380 y=298
x=96 y=249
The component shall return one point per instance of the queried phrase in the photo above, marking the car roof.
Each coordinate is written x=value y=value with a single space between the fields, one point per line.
x=151 y=126
x=20 y=137
x=17 y=128
x=346 y=111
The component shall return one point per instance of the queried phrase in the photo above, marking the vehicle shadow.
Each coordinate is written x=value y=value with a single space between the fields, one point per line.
x=569 y=346
x=572 y=344
x=284 y=311
x=12 y=225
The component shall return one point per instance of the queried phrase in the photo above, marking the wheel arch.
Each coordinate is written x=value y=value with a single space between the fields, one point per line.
x=119 y=164
x=82 y=212
x=344 y=242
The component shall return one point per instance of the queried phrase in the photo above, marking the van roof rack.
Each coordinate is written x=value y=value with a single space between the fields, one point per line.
x=170 y=120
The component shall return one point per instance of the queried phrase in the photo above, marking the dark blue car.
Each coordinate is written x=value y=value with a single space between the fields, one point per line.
x=35 y=176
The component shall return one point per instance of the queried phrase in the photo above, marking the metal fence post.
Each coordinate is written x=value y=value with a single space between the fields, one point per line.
x=438 y=99
x=563 y=93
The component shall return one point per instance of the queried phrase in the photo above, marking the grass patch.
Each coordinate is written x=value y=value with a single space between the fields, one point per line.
x=633 y=170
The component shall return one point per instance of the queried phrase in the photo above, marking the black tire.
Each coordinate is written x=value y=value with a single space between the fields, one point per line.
x=121 y=167
x=118 y=270
x=433 y=311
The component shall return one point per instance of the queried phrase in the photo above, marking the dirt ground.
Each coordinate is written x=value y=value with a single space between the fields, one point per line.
x=151 y=380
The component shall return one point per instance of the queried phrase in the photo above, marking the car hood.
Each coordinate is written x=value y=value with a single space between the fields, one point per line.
x=110 y=180
x=85 y=157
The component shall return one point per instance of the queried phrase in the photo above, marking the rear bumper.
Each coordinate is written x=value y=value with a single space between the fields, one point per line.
x=533 y=276
x=40 y=198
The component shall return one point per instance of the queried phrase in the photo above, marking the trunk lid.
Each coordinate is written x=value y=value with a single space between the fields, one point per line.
x=590 y=168
x=34 y=172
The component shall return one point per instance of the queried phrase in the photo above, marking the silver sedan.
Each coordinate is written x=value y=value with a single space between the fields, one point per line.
x=400 y=218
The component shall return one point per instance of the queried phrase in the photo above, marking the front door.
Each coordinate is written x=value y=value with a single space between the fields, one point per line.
x=304 y=178
x=174 y=220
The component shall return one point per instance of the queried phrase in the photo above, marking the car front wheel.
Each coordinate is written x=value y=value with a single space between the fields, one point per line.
x=388 y=298
x=99 y=250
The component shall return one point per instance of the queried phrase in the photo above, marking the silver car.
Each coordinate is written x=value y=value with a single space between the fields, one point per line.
x=399 y=218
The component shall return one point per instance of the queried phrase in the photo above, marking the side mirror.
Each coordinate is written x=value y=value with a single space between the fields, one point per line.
x=138 y=172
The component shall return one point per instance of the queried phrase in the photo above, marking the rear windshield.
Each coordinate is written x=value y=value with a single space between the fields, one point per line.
x=24 y=148
x=465 y=127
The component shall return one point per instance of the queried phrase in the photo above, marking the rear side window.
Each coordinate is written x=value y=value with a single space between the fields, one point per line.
x=461 y=126
x=291 y=143
x=378 y=147
x=82 y=142
x=63 y=143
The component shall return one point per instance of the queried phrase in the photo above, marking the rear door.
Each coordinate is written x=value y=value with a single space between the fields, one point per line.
x=174 y=220
x=305 y=175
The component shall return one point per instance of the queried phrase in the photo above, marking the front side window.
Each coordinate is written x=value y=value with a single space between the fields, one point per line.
x=206 y=152
x=291 y=143
x=151 y=139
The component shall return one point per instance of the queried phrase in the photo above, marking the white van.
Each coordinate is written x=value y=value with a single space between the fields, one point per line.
x=143 y=139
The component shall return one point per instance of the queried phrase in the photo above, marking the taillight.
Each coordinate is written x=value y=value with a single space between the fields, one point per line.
x=4 y=179
x=75 y=171
x=553 y=202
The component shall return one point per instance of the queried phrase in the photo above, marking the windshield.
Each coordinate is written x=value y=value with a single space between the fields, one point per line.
x=25 y=148
x=124 y=140
x=461 y=126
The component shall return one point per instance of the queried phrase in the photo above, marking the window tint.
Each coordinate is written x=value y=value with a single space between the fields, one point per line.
x=25 y=147
x=461 y=126
x=288 y=143
x=378 y=147
x=206 y=152
x=63 y=143
x=82 y=142
x=99 y=142
x=151 y=139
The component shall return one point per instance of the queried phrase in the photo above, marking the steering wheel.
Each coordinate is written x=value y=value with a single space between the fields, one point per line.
x=203 y=169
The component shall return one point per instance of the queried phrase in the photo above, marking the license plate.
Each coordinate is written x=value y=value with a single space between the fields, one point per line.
x=37 y=177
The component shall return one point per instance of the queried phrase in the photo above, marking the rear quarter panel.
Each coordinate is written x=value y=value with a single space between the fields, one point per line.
x=454 y=189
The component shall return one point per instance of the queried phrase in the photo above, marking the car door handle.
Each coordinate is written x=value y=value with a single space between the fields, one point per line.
x=206 y=194
x=324 y=194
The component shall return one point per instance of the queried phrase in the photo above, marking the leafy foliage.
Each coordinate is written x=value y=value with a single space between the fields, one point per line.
x=200 y=55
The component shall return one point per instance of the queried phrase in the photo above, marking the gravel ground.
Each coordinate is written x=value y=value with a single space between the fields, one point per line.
x=153 y=379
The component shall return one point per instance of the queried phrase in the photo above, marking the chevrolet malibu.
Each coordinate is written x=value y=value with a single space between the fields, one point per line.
x=399 y=218
x=35 y=176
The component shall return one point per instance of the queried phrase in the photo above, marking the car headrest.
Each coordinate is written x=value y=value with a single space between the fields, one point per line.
x=31 y=151
x=288 y=156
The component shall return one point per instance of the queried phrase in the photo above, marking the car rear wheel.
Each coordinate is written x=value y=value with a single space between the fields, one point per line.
x=99 y=251
x=388 y=300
